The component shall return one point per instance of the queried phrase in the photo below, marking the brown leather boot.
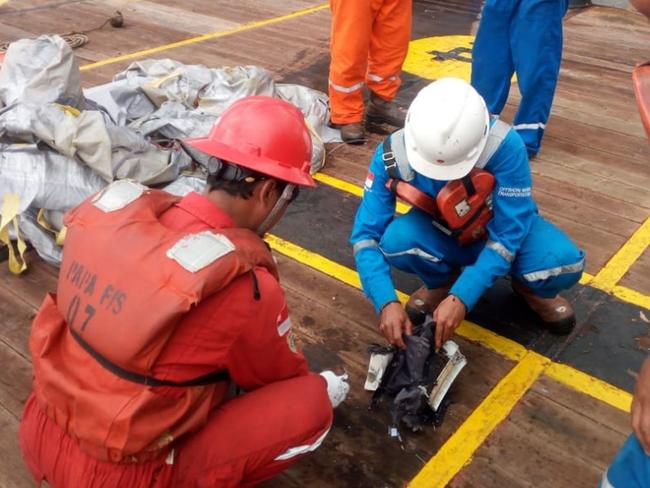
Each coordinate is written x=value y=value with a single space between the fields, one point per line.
x=353 y=133
x=382 y=111
x=556 y=313
x=424 y=301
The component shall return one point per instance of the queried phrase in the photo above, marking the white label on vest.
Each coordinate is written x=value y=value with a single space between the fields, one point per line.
x=118 y=195
x=196 y=251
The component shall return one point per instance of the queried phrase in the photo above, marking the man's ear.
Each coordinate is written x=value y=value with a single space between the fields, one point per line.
x=267 y=192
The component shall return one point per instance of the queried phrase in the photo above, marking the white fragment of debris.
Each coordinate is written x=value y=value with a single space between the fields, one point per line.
x=643 y=317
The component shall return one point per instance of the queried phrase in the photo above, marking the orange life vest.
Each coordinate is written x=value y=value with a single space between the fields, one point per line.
x=461 y=209
x=124 y=285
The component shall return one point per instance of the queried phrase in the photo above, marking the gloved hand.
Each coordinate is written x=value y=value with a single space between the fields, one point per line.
x=337 y=387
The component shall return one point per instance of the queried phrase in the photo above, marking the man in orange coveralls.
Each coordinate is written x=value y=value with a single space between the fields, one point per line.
x=369 y=42
x=161 y=304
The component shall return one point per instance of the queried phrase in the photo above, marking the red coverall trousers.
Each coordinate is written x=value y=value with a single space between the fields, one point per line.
x=369 y=42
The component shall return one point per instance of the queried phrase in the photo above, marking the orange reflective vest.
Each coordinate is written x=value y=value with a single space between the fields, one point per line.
x=124 y=285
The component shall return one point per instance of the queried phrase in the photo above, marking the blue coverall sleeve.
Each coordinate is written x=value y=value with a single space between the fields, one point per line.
x=375 y=212
x=513 y=213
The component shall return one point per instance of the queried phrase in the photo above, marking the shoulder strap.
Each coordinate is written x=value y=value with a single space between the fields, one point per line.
x=498 y=133
x=394 y=156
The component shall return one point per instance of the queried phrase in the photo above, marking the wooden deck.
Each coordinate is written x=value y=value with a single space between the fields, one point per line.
x=519 y=416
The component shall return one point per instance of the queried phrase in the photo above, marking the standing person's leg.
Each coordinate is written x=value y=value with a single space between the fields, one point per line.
x=389 y=42
x=256 y=436
x=536 y=43
x=629 y=469
x=547 y=263
x=492 y=66
x=349 y=44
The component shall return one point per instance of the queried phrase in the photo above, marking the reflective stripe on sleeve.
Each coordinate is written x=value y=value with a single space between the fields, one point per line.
x=500 y=249
x=358 y=246
x=558 y=270
x=346 y=89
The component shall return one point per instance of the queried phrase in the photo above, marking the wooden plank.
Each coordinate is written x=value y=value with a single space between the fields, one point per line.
x=15 y=380
x=552 y=426
x=13 y=473
x=638 y=276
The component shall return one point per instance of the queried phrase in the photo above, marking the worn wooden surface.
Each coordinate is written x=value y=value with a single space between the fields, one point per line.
x=554 y=437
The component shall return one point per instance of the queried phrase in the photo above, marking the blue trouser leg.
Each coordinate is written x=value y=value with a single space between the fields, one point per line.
x=630 y=468
x=412 y=244
x=492 y=65
x=548 y=261
x=536 y=46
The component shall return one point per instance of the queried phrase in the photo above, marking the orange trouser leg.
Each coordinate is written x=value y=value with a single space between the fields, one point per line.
x=255 y=436
x=389 y=43
x=350 y=41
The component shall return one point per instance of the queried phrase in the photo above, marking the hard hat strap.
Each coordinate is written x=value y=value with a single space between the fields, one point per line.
x=288 y=195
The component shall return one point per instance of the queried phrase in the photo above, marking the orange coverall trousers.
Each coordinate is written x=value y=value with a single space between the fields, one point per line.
x=369 y=42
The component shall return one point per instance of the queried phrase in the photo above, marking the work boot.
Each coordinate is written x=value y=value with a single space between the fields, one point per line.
x=352 y=133
x=382 y=111
x=424 y=301
x=556 y=313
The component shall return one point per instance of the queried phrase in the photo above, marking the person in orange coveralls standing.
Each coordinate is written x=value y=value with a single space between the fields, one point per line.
x=369 y=42
x=162 y=304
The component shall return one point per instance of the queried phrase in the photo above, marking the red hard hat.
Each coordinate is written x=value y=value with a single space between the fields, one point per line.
x=263 y=134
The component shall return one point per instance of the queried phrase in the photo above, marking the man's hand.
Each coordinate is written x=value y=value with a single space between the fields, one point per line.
x=641 y=407
x=393 y=322
x=449 y=314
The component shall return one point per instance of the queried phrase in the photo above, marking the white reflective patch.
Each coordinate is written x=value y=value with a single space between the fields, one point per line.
x=118 y=195
x=346 y=89
x=196 y=251
x=170 y=458
x=284 y=327
x=604 y=483
x=413 y=252
x=539 y=125
x=297 y=451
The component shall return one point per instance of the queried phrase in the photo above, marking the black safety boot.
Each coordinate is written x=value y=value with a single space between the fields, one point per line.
x=382 y=111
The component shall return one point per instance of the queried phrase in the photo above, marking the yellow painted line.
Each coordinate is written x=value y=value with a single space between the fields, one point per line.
x=589 y=385
x=457 y=452
x=510 y=349
x=625 y=294
x=205 y=37
x=631 y=296
x=625 y=257
x=352 y=189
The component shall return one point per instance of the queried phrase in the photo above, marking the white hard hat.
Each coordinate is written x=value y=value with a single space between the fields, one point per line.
x=446 y=129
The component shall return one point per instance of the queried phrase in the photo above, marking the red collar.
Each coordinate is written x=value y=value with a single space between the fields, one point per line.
x=205 y=210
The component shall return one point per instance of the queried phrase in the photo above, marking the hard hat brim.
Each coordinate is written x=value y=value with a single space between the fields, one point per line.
x=253 y=162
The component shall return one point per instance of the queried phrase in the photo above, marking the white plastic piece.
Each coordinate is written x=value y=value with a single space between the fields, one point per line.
x=118 y=195
x=376 y=368
x=196 y=251
x=448 y=374
x=337 y=387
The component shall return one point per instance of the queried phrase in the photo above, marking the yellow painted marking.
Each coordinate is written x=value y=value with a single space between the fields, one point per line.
x=352 y=189
x=459 y=449
x=440 y=56
x=622 y=293
x=625 y=257
x=567 y=375
x=589 y=385
x=205 y=37
x=631 y=296
x=2 y=2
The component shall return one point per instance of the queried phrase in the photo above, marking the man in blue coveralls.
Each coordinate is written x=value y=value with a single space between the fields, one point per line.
x=448 y=132
x=524 y=37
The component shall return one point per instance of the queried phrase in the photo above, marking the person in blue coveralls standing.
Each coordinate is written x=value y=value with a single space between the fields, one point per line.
x=447 y=137
x=522 y=37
